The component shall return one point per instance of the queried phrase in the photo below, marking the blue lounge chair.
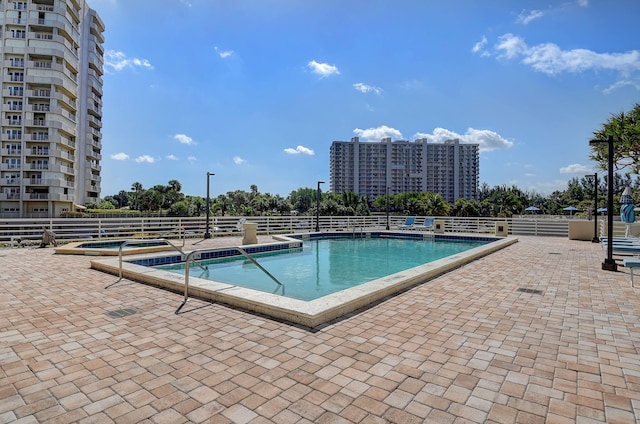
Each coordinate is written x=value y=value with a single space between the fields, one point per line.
x=426 y=225
x=408 y=223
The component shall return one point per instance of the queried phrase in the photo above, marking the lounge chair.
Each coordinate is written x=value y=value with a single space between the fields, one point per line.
x=408 y=223
x=426 y=225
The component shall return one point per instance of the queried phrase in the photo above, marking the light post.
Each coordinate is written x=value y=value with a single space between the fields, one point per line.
x=387 y=207
x=609 y=263
x=207 y=234
x=318 y=206
x=595 y=238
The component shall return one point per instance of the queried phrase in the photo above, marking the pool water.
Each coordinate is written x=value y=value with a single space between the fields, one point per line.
x=326 y=266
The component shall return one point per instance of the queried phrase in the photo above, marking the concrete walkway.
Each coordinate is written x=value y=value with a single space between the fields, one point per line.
x=536 y=333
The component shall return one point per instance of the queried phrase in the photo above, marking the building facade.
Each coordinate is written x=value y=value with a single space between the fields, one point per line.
x=51 y=71
x=450 y=169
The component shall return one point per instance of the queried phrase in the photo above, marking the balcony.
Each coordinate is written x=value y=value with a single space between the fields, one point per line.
x=38 y=196
x=9 y=196
x=39 y=93
x=39 y=166
x=12 y=122
x=10 y=166
x=37 y=123
x=40 y=137
x=63 y=154
x=66 y=99
x=10 y=182
x=37 y=182
x=97 y=123
x=67 y=142
x=67 y=169
x=38 y=151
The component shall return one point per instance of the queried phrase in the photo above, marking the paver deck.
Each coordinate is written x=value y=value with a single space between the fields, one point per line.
x=467 y=347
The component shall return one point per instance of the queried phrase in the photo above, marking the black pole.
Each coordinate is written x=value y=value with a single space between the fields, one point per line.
x=207 y=234
x=609 y=264
x=595 y=238
x=387 y=207
x=318 y=206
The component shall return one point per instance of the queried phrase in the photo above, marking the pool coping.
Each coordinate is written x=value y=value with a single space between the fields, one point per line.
x=311 y=313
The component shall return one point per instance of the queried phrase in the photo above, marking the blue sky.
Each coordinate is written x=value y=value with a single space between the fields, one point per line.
x=255 y=91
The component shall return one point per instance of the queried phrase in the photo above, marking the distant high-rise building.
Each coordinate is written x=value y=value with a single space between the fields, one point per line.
x=51 y=72
x=450 y=169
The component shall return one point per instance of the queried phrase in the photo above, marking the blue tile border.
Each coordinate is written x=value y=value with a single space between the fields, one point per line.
x=274 y=247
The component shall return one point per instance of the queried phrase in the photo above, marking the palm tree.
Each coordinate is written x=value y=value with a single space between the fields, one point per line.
x=433 y=204
x=624 y=129
x=175 y=185
x=137 y=188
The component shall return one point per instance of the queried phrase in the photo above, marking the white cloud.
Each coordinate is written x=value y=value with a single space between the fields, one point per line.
x=184 y=139
x=185 y=2
x=622 y=83
x=192 y=158
x=120 y=156
x=487 y=139
x=224 y=54
x=300 y=150
x=479 y=47
x=583 y=3
x=575 y=168
x=119 y=60
x=376 y=134
x=525 y=17
x=171 y=157
x=322 y=69
x=364 y=88
x=145 y=159
x=238 y=160
x=550 y=59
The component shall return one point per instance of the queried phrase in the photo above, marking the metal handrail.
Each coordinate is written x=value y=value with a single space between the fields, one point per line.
x=180 y=231
x=239 y=249
x=128 y=242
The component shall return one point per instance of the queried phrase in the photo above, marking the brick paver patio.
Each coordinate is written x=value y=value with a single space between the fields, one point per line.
x=467 y=347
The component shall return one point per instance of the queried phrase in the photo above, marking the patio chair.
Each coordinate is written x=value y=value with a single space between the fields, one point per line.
x=408 y=223
x=426 y=225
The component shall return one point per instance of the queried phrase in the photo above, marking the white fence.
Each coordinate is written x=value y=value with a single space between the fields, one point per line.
x=68 y=229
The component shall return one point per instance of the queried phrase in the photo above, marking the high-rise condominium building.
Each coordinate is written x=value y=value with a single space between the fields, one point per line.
x=51 y=71
x=369 y=168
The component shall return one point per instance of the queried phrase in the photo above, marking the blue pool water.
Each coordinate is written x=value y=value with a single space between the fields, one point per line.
x=326 y=266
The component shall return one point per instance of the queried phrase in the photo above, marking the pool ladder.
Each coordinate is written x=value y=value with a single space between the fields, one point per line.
x=242 y=252
x=189 y=258
x=131 y=242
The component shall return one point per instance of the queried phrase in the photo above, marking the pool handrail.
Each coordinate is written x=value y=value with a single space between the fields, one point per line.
x=239 y=249
x=180 y=229
x=128 y=242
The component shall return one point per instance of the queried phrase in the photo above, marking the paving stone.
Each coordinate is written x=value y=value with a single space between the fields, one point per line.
x=468 y=346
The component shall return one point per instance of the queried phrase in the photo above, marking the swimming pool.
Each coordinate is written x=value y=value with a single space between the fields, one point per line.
x=311 y=313
x=112 y=247
x=325 y=266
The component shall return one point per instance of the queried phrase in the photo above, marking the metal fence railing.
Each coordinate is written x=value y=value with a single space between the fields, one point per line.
x=71 y=229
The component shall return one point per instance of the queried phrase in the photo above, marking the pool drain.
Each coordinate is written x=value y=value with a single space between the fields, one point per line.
x=122 y=312
x=532 y=291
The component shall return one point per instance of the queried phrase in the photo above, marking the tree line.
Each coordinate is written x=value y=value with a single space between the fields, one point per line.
x=497 y=201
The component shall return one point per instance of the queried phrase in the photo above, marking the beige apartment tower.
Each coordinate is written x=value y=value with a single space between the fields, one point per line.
x=450 y=168
x=52 y=61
